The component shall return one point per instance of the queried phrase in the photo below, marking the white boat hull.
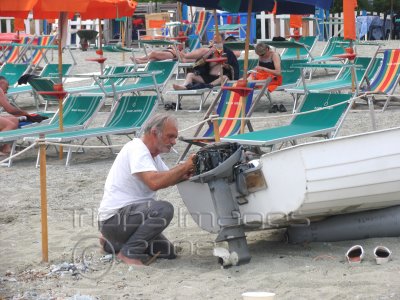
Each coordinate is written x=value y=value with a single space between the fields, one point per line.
x=320 y=179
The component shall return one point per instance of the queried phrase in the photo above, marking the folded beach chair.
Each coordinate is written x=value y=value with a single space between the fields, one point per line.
x=78 y=111
x=319 y=122
x=387 y=77
x=227 y=104
x=309 y=43
x=127 y=117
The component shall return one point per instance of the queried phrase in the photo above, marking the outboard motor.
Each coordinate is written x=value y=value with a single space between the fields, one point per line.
x=215 y=165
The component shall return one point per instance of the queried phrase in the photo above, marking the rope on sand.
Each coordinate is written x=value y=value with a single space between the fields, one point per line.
x=41 y=142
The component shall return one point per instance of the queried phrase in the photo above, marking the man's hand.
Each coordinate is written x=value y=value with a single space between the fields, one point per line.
x=159 y=180
x=189 y=167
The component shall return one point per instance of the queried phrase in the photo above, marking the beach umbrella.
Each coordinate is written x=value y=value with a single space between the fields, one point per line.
x=61 y=9
x=349 y=24
x=349 y=19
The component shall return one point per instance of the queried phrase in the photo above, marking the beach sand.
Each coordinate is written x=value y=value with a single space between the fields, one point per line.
x=308 y=271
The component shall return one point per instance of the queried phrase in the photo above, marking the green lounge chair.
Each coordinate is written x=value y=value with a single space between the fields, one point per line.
x=78 y=111
x=158 y=74
x=127 y=117
x=290 y=75
x=335 y=46
x=253 y=62
x=47 y=84
x=308 y=42
x=50 y=70
x=324 y=122
x=342 y=81
x=12 y=72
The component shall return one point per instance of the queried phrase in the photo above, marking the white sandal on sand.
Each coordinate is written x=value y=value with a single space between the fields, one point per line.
x=355 y=254
x=382 y=254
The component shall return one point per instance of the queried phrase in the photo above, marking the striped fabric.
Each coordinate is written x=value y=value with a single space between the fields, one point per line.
x=201 y=20
x=14 y=53
x=230 y=106
x=389 y=73
x=37 y=54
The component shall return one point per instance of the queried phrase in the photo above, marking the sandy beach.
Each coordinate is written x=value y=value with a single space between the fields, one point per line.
x=307 y=271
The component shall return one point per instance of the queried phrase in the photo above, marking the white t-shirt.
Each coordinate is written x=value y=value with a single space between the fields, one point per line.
x=123 y=186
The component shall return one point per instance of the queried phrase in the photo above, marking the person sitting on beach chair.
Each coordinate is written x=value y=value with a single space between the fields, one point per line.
x=130 y=219
x=156 y=55
x=16 y=115
x=269 y=65
x=209 y=72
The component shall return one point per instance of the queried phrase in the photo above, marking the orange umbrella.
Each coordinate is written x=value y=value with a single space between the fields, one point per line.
x=109 y=9
x=295 y=21
x=45 y=9
x=19 y=24
x=349 y=19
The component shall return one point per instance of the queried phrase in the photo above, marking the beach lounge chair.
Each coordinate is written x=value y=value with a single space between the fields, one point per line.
x=13 y=53
x=342 y=81
x=36 y=53
x=127 y=117
x=308 y=42
x=154 y=78
x=47 y=84
x=253 y=62
x=335 y=46
x=78 y=111
x=50 y=70
x=201 y=20
x=229 y=105
x=387 y=77
x=325 y=122
x=12 y=72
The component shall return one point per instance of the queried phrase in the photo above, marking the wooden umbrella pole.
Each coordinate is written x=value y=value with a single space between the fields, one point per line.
x=246 y=62
x=179 y=8
x=218 y=37
x=62 y=16
x=100 y=38
x=216 y=128
x=43 y=201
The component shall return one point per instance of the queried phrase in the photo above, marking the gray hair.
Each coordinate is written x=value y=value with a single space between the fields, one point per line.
x=157 y=121
x=261 y=48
